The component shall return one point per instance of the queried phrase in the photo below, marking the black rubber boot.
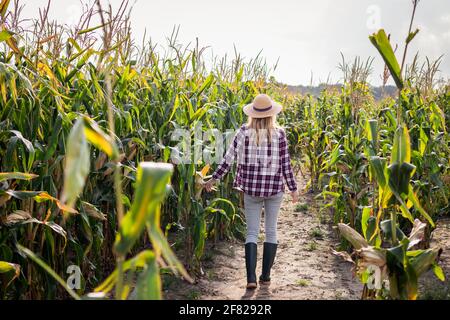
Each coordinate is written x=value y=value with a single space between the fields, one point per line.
x=270 y=250
x=250 y=264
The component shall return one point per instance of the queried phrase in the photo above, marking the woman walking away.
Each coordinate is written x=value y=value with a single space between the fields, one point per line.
x=263 y=165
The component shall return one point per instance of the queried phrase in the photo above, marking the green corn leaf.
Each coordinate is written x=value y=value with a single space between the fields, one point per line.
x=72 y=42
x=77 y=54
x=28 y=145
x=21 y=195
x=8 y=272
x=413 y=198
x=405 y=211
x=423 y=141
x=378 y=166
x=399 y=177
x=330 y=193
x=437 y=117
x=53 y=144
x=199 y=236
x=381 y=42
x=385 y=195
x=38 y=196
x=92 y=211
x=144 y=262
x=364 y=220
x=20 y=217
x=411 y=284
x=87 y=54
x=5 y=35
x=48 y=269
x=161 y=246
x=151 y=183
x=396 y=256
x=16 y=176
x=199 y=113
x=385 y=226
x=403 y=207
x=92 y=29
x=149 y=282
x=411 y=36
x=438 y=271
x=425 y=260
x=99 y=139
x=77 y=164
x=4 y=7
x=206 y=84
x=372 y=136
x=401 y=151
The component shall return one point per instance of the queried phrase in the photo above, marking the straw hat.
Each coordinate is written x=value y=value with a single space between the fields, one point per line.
x=262 y=107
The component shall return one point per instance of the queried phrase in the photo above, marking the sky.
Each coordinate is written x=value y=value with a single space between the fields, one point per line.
x=305 y=37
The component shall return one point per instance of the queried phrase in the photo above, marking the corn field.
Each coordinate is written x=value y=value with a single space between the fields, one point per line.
x=87 y=118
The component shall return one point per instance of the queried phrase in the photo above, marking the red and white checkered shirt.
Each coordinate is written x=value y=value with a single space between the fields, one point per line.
x=260 y=168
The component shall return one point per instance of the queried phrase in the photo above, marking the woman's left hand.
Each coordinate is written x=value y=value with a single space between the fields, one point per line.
x=209 y=185
x=295 y=197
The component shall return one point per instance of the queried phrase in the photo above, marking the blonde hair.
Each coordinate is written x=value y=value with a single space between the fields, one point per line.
x=261 y=126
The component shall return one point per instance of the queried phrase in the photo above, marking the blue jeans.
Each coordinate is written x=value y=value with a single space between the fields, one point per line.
x=253 y=208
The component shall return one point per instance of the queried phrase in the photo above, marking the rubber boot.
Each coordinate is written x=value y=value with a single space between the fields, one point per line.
x=250 y=264
x=270 y=250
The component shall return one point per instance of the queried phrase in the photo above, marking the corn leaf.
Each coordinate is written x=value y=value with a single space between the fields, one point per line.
x=378 y=166
x=151 y=182
x=381 y=42
x=5 y=35
x=92 y=29
x=411 y=36
x=49 y=270
x=8 y=272
x=136 y=263
x=22 y=217
x=425 y=260
x=38 y=196
x=372 y=136
x=364 y=220
x=44 y=69
x=413 y=198
x=99 y=139
x=92 y=211
x=399 y=177
x=77 y=164
x=401 y=151
x=16 y=176
x=4 y=7
x=438 y=272
x=149 y=282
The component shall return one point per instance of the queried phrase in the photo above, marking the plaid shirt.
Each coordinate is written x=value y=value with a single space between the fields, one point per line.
x=260 y=168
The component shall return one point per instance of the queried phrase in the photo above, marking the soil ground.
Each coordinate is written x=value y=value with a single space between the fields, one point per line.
x=430 y=287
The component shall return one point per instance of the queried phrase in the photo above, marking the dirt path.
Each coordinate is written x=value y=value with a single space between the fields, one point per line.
x=429 y=286
x=304 y=267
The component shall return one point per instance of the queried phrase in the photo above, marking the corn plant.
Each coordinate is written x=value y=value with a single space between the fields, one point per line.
x=390 y=272
x=50 y=76
x=151 y=187
x=401 y=265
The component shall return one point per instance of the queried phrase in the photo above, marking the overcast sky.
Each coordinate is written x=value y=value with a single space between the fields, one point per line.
x=307 y=36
